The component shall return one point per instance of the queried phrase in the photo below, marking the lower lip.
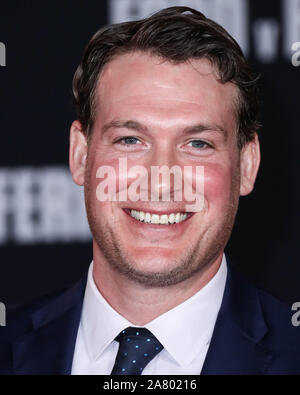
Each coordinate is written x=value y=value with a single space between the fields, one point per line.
x=159 y=227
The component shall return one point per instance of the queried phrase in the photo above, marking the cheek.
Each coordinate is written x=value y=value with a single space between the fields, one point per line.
x=112 y=172
x=96 y=183
x=218 y=185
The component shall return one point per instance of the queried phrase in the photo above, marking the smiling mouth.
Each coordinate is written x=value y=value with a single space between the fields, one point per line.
x=156 y=219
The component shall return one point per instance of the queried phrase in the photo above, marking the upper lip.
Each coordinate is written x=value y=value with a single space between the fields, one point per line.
x=160 y=211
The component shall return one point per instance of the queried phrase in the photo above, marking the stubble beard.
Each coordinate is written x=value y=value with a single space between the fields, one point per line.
x=196 y=258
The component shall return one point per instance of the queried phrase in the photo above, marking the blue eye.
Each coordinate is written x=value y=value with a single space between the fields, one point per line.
x=129 y=143
x=130 y=140
x=199 y=144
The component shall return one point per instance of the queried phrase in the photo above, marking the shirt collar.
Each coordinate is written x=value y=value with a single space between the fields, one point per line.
x=192 y=321
x=100 y=322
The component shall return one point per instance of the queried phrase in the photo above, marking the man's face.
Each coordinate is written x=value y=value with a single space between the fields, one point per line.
x=155 y=113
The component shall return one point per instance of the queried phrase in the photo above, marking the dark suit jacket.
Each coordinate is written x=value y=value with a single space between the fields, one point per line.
x=253 y=334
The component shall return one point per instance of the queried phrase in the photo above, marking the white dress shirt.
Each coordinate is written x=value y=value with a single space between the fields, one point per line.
x=185 y=331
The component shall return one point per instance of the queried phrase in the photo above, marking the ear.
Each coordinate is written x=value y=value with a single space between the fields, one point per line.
x=249 y=164
x=77 y=153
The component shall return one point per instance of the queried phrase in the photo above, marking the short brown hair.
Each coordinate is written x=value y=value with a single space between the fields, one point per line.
x=176 y=34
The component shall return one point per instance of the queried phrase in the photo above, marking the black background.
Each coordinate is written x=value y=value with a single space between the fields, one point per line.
x=44 y=42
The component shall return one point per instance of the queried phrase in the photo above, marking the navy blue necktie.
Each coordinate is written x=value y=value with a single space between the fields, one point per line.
x=138 y=346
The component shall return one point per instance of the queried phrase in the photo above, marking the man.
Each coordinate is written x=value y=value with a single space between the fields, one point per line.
x=160 y=297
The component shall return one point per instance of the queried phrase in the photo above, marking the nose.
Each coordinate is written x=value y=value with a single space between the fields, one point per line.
x=165 y=173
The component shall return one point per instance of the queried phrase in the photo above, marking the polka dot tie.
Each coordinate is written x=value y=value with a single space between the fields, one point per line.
x=138 y=346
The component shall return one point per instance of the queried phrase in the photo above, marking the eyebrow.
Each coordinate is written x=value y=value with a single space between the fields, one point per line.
x=130 y=124
x=199 y=128
x=137 y=126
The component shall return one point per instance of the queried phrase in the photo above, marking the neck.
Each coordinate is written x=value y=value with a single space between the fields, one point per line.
x=140 y=304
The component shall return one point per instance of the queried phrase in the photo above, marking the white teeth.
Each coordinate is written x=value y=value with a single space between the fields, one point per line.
x=172 y=218
x=147 y=217
x=135 y=214
x=155 y=219
x=183 y=217
x=163 y=219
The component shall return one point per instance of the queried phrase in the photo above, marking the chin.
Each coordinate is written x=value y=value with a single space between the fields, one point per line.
x=154 y=259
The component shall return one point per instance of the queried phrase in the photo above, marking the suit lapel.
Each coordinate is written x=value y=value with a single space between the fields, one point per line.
x=237 y=343
x=48 y=348
x=236 y=346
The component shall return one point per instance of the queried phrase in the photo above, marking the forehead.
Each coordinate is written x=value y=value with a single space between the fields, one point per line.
x=142 y=82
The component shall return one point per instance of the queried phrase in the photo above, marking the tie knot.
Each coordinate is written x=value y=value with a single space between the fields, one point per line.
x=138 y=346
x=135 y=334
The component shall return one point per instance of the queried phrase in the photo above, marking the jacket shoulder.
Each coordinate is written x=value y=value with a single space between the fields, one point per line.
x=278 y=316
x=267 y=319
x=56 y=314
